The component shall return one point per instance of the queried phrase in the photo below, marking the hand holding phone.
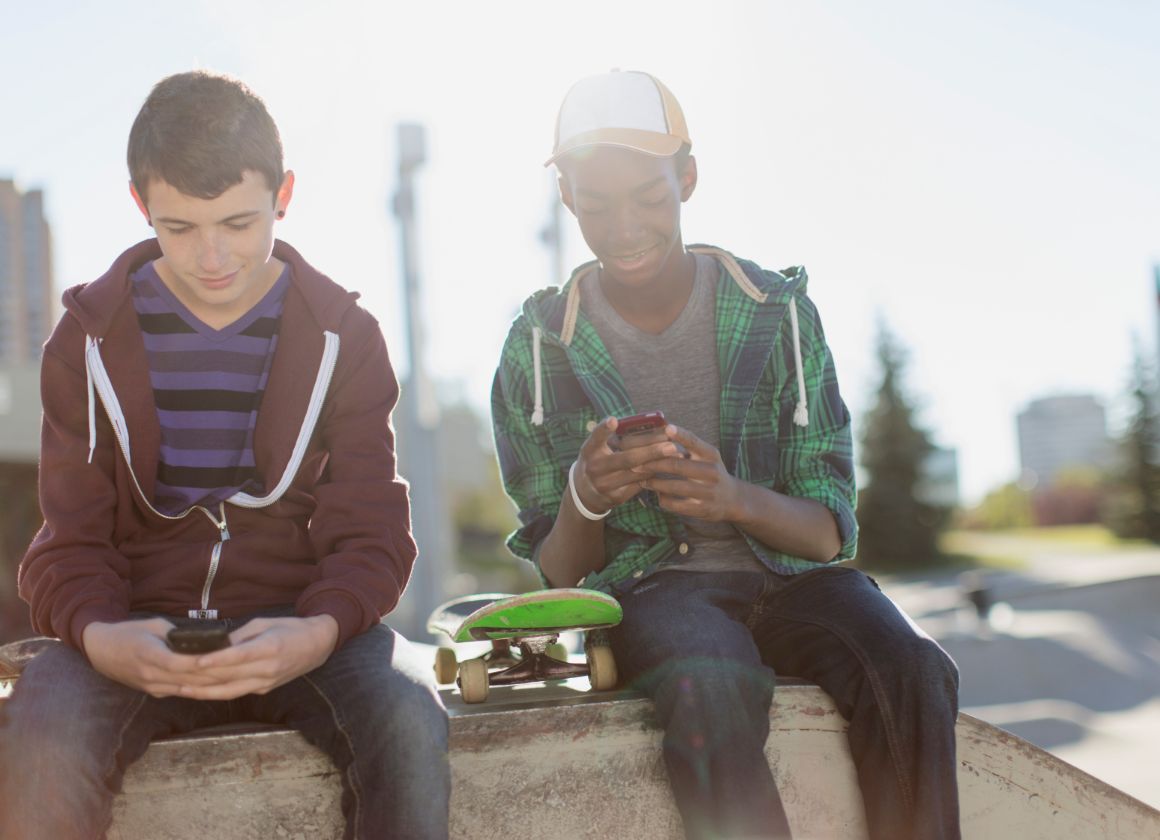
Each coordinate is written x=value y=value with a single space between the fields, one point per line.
x=639 y=424
x=193 y=639
x=629 y=428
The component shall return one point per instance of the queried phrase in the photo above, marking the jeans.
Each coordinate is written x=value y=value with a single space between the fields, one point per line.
x=706 y=647
x=68 y=733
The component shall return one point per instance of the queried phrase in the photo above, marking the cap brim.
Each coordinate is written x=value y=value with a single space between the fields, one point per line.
x=638 y=140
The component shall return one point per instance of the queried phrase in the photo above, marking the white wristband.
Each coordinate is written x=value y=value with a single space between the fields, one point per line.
x=579 y=505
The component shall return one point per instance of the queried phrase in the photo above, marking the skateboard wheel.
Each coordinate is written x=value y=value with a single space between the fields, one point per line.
x=473 y=680
x=557 y=650
x=601 y=668
x=445 y=666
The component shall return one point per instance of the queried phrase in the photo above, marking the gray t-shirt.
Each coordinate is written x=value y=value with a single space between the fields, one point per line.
x=677 y=372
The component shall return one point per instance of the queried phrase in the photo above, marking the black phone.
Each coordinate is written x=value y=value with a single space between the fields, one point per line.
x=638 y=424
x=197 y=639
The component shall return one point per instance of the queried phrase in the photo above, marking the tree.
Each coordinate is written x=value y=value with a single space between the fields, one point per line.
x=1072 y=498
x=483 y=517
x=1133 y=504
x=898 y=530
x=1008 y=506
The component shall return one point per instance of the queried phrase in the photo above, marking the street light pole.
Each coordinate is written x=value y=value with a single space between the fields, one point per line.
x=421 y=413
x=551 y=235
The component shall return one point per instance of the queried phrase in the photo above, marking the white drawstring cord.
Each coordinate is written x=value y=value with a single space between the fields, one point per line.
x=538 y=408
x=322 y=379
x=801 y=413
x=91 y=347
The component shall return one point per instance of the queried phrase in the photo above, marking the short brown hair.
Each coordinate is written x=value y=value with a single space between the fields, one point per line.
x=200 y=133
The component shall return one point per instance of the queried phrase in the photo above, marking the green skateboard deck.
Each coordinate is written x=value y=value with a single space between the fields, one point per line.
x=447 y=617
x=549 y=611
x=530 y=623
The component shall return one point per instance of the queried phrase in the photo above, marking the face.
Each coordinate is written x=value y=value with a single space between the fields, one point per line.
x=628 y=205
x=216 y=253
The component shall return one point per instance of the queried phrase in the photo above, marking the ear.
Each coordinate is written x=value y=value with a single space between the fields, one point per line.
x=566 y=194
x=284 y=194
x=140 y=203
x=688 y=178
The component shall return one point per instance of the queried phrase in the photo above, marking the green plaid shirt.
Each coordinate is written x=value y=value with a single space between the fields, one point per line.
x=759 y=441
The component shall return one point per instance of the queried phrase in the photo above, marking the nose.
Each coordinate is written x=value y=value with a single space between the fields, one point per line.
x=626 y=222
x=211 y=253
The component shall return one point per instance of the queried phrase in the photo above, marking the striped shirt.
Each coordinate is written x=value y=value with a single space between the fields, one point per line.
x=208 y=386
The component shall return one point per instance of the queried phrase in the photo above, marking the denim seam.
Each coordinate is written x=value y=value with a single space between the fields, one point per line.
x=880 y=698
x=127 y=720
x=352 y=768
x=759 y=606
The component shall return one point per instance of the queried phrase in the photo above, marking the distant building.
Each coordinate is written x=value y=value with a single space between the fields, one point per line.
x=939 y=480
x=26 y=290
x=1057 y=433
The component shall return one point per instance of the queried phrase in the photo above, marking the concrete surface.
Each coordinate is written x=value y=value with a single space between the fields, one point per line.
x=557 y=761
x=1069 y=660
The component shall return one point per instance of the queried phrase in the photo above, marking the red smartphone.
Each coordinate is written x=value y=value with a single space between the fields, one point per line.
x=638 y=424
x=197 y=639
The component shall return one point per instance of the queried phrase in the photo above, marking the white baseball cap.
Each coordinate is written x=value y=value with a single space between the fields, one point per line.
x=629 y=109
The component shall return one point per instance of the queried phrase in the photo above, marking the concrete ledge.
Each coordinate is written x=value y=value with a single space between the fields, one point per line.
x=594 y=770
x=555 y=761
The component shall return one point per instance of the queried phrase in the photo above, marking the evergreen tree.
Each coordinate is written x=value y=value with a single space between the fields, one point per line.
x=1133 y=506
x=898 y=531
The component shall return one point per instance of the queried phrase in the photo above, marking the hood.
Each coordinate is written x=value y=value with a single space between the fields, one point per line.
x=554 y=311
x=96 y=304
x=312 y=297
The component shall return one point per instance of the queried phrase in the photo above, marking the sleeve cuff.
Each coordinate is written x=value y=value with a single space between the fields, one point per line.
x=344 y=610
x=73 y=632
x=843 y=513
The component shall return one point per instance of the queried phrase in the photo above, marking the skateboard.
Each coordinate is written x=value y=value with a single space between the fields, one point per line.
x=446 y=620
x=523 y=630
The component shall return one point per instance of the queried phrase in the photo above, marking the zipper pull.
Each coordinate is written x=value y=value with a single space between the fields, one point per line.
x=225 y=531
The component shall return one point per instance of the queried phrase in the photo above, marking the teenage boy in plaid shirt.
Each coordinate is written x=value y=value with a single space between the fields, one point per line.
x=722 y=532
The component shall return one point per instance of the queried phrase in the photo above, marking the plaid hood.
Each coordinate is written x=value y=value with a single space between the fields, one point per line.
x=783 y=424
x=556 y=313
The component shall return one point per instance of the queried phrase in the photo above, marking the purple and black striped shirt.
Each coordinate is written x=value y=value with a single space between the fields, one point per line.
x=207 y=385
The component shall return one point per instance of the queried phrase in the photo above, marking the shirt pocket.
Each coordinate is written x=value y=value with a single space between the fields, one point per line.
x=567 y=432
x=759 y=459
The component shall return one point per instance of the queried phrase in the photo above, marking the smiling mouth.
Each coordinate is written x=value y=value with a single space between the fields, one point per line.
x=634 y=256
x=218 y=281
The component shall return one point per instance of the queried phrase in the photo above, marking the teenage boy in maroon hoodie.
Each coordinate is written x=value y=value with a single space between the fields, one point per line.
x=217 y=453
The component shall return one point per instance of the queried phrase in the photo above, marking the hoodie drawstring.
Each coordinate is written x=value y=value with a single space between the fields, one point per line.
x=571 y=313
x=91 y=346
x=538 y=408
x=801 y=412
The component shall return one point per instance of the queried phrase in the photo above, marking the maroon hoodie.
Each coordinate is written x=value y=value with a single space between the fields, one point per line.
x=332 y=535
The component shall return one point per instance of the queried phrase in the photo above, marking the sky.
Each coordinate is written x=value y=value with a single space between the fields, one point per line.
x=983 y=178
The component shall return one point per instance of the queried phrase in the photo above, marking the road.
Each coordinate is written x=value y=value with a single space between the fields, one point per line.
x=1070 y=659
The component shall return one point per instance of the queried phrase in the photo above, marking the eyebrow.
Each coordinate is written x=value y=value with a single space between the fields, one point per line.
x=643 y=188
x=236 y=217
